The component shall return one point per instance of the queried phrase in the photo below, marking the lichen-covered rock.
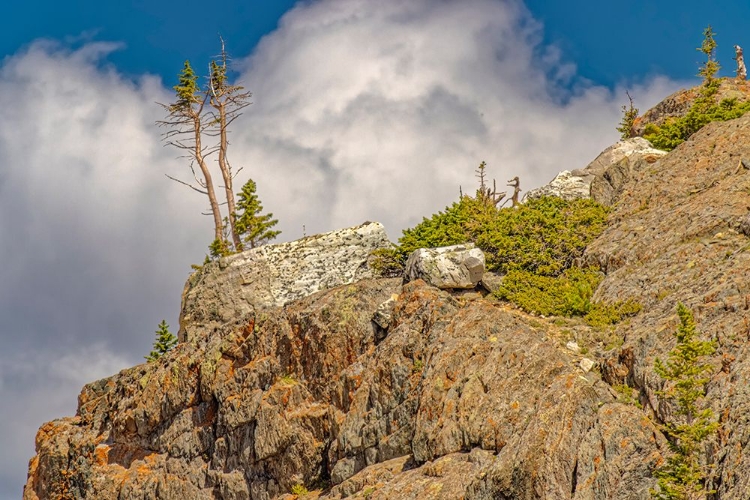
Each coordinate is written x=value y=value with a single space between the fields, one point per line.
x=672 y=239
x=475 y=396
x=604 y=178
x=453 y=267
x=273 y=275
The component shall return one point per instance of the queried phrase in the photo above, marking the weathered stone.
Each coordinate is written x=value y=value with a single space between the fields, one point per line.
x=457 y=266
x=384 y=313
x=586 y=364
x=273 y=275
x=565 y=185
x=573 y=346
x=603 y=179
x=744 y=225
x=491 y=281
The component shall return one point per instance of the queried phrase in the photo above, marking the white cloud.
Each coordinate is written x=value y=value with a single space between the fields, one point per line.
x=367 y=110
x=363 y=111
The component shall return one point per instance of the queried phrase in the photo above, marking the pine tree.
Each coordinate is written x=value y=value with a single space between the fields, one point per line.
x=164 y=342
x=198 y=122
x=708 y=69
x=683 y=476
x=253 y=226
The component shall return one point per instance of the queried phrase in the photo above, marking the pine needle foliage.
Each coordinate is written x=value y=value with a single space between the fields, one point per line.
x=254 y=227
x=165 y=342
x=535 y=245
x=187 y=90
x=705 y=109
x=709 y=68
x=687 y=373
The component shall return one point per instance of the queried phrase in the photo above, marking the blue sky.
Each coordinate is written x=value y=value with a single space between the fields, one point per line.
x=158 y=35
x=361 y=110
x=624 y=41
x=609 y=42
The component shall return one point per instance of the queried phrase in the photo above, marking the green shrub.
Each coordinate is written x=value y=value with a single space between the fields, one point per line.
x=566 y=295
x=457 y=224
x=165 y=342
x=543 y=235
x=705 y=109
x=299 y=489
x=601 y=314
x=629 y=114
x=535 y=243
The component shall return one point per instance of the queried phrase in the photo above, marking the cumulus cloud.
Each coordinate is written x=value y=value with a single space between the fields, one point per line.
x=362 y=111
x=367 y=110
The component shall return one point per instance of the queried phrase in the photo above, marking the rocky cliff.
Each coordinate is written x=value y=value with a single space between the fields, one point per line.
x=461 y=396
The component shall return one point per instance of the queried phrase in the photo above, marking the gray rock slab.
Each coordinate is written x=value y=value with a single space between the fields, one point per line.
x=274 y=275
x=453 y=267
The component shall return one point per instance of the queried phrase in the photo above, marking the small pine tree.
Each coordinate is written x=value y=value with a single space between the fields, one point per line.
x=187 y=90
x=164 y=342
x=708 y=69
x=683 y=476
x=629 y=114
x=253 y=227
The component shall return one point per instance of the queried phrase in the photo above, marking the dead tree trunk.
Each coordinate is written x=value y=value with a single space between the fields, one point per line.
x=515 y=183
x=208 y=182
x=227 y=101
x=741 y=69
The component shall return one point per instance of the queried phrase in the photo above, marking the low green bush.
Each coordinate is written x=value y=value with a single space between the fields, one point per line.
x=603 y=315
x=535 y=245
x=568 y=294
x=543 y=235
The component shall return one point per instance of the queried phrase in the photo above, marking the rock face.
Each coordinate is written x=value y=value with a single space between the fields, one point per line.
x=462 y=397
x=467 y=398
x=454 y=267
x=273 y=275
x=675 y=237
x=604 y=178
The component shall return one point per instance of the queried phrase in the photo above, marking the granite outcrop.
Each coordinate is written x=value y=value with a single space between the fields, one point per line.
x=227 y=290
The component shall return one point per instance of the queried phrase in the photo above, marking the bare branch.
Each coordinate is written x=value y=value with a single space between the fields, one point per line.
x=186 y=184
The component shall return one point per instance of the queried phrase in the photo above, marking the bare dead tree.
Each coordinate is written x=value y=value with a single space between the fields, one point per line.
x=184 y=124
x=515 y=184
x=741 y=69
x=227 y=102
x=484 y=193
